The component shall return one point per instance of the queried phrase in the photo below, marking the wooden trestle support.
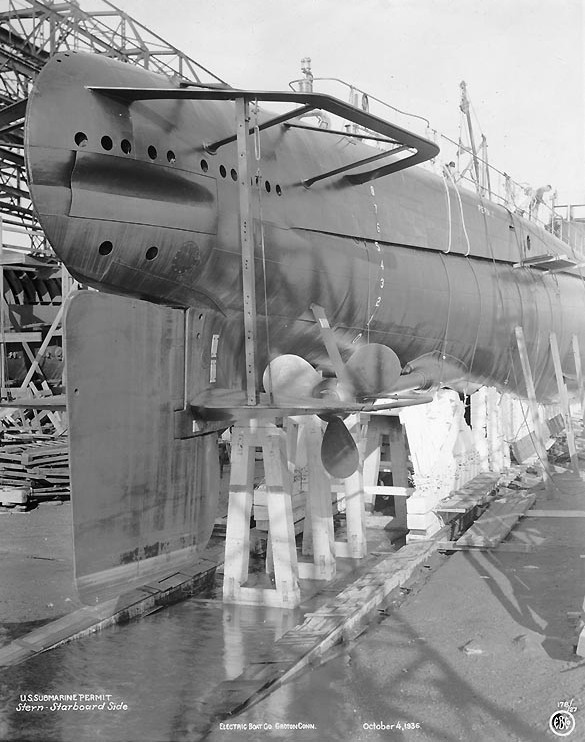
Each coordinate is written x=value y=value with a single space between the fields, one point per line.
x=446 y=452
x=446 y=455
x=279 y=454
x=443 y=455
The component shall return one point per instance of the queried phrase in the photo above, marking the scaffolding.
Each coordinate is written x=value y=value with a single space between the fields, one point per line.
x=34 y=285
x=31 y=31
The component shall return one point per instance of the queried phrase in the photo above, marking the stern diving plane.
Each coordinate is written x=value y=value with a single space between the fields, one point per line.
x=374 y=279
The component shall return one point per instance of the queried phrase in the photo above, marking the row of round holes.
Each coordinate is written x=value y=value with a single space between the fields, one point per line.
x=106 y=248
x=234 y=177
x=126 y=147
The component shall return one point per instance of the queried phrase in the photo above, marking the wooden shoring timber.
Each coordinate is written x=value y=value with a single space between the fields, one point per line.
x=378 y=427
x=564 y=398
x=492 y=527
x=536 y=416
x=355 y=546
x=513 y=548
x=35 y=365
x=476 y=492
x=372 y=454
x=282 y=547
x=579 y=373
x=499 y=450
x=32 y=417
x=318 y=534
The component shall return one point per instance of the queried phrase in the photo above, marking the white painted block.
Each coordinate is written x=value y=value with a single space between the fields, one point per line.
x=423 y=521
x=422 y=503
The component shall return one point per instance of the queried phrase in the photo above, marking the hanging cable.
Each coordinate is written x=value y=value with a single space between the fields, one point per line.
x=445 y=183
x=462 y=215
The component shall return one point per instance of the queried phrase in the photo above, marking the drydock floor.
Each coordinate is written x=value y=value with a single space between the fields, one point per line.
x=477 y=645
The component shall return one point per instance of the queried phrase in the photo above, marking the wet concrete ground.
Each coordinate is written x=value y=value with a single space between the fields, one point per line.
x=482 y=651
x=479 y=648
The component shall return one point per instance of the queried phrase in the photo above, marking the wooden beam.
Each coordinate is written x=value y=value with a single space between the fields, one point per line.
x=536 y=417
x=237 y=540
x=44 y=345
x=400 y=473
x=512 y=547
x=319 y=513
x=498 y=520
x=356 y=546
x=579 y=372
x=389 y=490
x=282 y=546
x=556 y=513
x=564 y=398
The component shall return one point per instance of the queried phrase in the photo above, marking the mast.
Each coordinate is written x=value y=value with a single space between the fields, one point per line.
x=464 y=106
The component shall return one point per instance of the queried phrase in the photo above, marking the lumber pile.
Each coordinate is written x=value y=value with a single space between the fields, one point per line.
x=492 y=527
x=43 y=466
x=475 y=492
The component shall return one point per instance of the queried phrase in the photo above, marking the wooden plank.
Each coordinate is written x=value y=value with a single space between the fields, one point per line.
x=475 y=492
x=497 y=522
x=282 y=537
x=16 y=495
x=371 y=462
x=22 y=337
x=514 y=548
x=400 y=470
x=260 y=511
x=555 y=514
x=237 y=545
x=389 y=491
x=524 y=449
x=320 y=537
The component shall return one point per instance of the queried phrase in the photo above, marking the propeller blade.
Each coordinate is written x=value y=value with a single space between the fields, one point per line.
x=291 y=376
x=339 y=452
x=374 y=370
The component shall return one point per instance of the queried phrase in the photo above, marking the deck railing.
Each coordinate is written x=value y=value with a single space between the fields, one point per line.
x=457 y=164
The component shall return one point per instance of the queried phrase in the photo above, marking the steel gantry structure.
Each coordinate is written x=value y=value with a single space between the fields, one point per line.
x=31 y=31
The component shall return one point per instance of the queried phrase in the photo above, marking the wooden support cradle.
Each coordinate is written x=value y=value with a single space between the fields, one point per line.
x=379 y=427
x=355 y=545
x=272 y=440
x=539 y=437
x=319 y=537
x=278 y=448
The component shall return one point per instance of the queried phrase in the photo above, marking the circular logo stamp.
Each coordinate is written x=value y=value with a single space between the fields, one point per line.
x=562 y=723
